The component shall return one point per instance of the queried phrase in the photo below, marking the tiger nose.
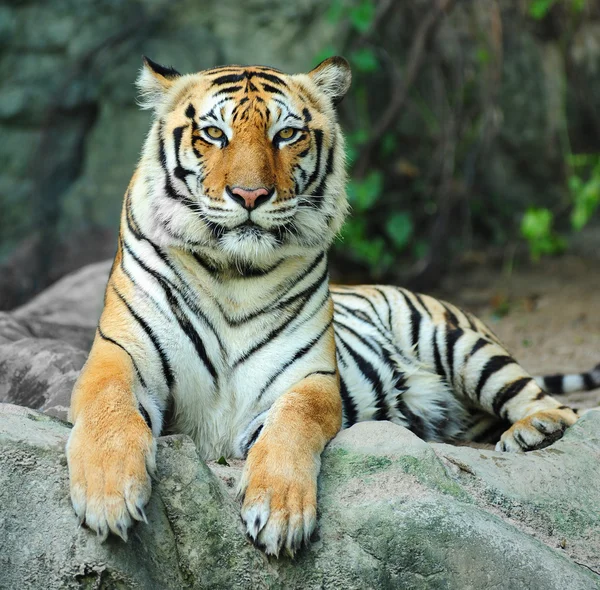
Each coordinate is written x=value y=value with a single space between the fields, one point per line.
x=249 y=198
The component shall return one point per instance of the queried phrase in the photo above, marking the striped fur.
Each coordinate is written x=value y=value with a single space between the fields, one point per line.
x=219 y=321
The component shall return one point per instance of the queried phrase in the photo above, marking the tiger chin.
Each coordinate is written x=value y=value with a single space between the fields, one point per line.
x=219 y=321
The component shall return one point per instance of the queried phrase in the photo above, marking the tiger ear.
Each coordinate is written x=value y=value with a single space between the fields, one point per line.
x=154 y=82
x=333 y=76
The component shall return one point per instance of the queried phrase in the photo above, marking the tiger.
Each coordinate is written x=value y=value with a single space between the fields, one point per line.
x=219 y=321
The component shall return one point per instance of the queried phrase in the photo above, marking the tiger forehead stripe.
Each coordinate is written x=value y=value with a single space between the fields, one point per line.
x=231 y=78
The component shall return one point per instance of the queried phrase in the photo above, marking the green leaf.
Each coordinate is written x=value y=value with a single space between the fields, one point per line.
x=361 y=16
x=335 y=12
x=587 y=199
x=482 y=55
x=353 y=231
x=399 y=228
x=536 y=228
x=363 y=194
x=364 y=60
x=538 y=9
x=536 y=223
x=388 y=144
x=222 y=461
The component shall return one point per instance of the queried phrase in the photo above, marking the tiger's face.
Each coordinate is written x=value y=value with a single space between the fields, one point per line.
x=245 y=162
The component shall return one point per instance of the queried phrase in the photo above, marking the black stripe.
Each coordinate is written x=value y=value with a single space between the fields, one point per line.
x=368 y=301
x=389 y=306
x=318 y=192
x=306 y=296
x=359 y=337
x=508 y=392
x=248 y=271
x=179 y=314
x=493 y=365
x=481 y=342
x=415 y=320
x=184 y=294
x=415 y=422
x=368 y=371
x=145 y=415
x=166 y=367
x=452 y=337
x=554 y=383
x=229 y=79
x=164 y=71
x=272 y=89
x=179 y=171
x=270 y=77
x=419 y=298
x=137 y=370
x=253 y=438
x=319 y=144
x=228 y=90
x=204 y=263
x=190 y=112
x=307 y=116
x=439 y=368
x=288 y=285
x=329 y=373
x=296 y=356
x=471 y=321
x=588 y=381
x=450 y=316
x=350 y=412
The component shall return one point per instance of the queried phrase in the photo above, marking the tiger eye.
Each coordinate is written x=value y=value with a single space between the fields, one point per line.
x=286 y=133
x=214 y=132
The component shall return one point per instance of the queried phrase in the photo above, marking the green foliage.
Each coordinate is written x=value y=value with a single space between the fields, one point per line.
x=362 y=14
x=536 y=228
x=363 y=194
x=584 y=185
x=404 y=160
x=399 y=228
x=364 y=60
x=538 y=9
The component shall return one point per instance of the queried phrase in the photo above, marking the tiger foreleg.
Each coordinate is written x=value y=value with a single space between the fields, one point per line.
x=495 y=382
x=279 y=482
x=111 y=449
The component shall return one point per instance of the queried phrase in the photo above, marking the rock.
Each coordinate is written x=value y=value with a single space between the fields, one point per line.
x=44 y=344
x=68 y=310
x=395 y=512
x=39 y=373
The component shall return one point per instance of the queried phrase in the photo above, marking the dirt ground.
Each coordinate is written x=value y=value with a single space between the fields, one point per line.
x=547 y=314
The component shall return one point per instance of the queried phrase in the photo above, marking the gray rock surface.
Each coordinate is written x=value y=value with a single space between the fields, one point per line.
x=44 y=344
x=395 y=512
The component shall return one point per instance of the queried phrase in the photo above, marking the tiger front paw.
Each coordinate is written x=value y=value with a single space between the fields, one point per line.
x=537 y=431
x=108 y=472
x=279 y=492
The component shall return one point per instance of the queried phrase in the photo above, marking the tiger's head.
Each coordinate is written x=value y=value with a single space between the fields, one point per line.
x=244 y=162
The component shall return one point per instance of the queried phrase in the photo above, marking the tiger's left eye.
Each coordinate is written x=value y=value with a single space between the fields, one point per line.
x=214 y=132
x=286 y=133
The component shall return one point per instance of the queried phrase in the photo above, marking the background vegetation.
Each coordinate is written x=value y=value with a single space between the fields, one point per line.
x=473 y=127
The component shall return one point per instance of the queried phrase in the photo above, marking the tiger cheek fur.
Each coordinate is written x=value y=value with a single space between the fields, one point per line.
x=220 y=323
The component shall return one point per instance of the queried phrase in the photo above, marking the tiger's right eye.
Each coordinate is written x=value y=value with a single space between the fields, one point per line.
x=214 y=132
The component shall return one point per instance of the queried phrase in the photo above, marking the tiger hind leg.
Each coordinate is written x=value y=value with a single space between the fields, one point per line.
x=538 y=430
x=494 y=382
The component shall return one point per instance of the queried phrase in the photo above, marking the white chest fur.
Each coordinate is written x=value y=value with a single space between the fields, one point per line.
x=232 y=344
